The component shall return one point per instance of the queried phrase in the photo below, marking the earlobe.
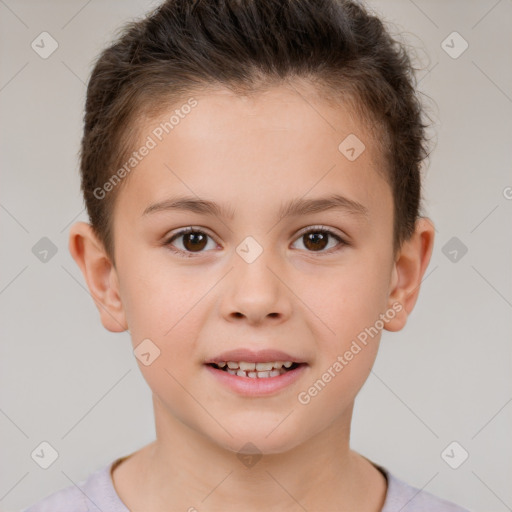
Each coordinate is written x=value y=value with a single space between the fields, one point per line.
x=408 y=271
x=99 y=274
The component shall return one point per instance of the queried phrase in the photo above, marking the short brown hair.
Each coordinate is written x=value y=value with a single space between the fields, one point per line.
x=246 y=45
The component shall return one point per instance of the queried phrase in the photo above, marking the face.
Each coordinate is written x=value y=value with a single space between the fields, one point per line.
x=307 y=284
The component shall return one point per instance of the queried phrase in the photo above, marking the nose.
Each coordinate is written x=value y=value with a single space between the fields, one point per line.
x=255 y=292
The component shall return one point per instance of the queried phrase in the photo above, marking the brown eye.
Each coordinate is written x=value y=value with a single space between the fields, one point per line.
x=193 y=241
x=316 y=240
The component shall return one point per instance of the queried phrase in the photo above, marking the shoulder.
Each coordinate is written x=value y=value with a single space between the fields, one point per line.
x=61 y=500
x=94 y=493
x=406 y=498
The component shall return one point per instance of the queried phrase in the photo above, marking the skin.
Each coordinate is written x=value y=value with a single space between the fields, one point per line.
x=253 y=154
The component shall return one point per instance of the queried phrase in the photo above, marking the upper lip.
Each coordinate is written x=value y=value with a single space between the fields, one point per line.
x=251 y=356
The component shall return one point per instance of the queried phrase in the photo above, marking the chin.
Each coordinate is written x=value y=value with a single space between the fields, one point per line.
x=259 y=440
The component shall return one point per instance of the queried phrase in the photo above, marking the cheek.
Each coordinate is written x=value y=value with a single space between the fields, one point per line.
x=331 y=391
x=158 y=296
x=350 y=305
x=165 y=311
x=344 y=300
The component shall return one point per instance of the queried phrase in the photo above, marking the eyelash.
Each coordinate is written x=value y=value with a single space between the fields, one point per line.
x=312 y=229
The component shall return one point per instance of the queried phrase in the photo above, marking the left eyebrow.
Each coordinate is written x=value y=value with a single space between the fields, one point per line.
x=295 y=207
x=301 y=206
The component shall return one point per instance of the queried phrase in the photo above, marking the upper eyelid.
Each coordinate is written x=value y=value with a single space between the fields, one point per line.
x=320 y=227
x=190 y=229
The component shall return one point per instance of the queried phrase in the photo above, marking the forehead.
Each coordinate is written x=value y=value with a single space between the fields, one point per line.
x=279 y=142
x=296 y=110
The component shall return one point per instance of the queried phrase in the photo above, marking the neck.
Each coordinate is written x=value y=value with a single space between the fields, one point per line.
x=185 y=470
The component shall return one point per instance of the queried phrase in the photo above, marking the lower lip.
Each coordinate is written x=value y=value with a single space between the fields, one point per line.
x=254 y=386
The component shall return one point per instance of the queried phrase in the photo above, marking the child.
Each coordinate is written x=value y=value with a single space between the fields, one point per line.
x=251 y=170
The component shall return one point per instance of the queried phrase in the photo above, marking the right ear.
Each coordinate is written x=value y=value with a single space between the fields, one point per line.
x=100 y=275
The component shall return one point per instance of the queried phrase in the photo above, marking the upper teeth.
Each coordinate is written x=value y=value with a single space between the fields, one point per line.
x=260 y=367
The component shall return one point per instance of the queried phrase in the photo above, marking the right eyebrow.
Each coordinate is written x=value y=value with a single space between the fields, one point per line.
x=191 y=204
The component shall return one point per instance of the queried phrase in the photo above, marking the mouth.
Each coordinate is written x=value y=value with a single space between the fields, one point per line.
x=255 y=380
x=262 y=370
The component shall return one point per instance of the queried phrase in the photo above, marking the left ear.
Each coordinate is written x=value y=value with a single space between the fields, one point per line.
x=408 y=270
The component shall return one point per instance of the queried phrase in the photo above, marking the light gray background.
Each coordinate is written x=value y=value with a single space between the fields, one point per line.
x=446 y=377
